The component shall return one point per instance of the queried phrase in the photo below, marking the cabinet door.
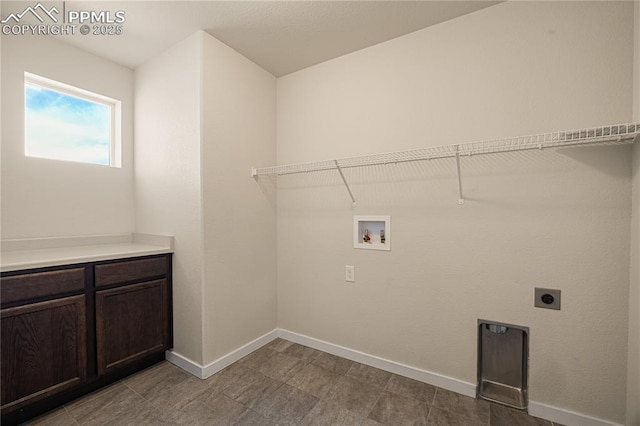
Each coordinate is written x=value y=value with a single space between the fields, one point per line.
x=131 y=322
x=43 y=350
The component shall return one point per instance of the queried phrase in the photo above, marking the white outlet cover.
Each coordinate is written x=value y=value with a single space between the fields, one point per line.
x=349 y=273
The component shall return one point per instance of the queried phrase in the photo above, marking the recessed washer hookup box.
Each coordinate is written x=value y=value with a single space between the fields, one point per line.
x=503 y=363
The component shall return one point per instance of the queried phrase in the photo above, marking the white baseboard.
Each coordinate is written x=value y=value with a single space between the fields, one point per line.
x=210 y=369
x=536 y=409
x=565 y=417
x=183 y=362
x=449 y=383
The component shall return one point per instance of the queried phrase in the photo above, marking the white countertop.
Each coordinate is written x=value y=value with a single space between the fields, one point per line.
x=38 y=253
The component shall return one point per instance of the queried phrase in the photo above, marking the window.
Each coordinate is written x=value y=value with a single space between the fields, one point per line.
x=62 y=122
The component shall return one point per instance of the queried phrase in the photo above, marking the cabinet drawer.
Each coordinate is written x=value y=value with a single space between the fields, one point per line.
x=17 y=288
x=131 y=270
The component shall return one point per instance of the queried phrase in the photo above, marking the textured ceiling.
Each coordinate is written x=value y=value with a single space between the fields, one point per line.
x=280 y=36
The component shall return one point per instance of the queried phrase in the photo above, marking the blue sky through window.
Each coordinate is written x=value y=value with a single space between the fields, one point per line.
x=65 y=127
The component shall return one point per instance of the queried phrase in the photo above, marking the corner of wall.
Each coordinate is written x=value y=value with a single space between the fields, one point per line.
x=238 y=220
x=168 y=177
x=633 y=360
x=636 y=61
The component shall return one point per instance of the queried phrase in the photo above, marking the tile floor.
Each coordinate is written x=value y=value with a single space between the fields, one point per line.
x=282 y=383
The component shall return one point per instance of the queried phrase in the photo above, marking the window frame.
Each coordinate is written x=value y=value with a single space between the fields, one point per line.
x=114 y=105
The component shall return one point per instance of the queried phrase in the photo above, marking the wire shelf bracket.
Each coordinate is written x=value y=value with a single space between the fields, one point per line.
x=619 y=133
x=353 y=200
x=460 y=197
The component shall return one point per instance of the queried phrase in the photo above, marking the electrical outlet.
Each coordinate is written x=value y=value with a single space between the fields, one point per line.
x=349 y=273
x=547 y=298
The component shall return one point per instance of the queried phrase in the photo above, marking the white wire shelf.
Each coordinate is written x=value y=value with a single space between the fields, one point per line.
x=619 y=133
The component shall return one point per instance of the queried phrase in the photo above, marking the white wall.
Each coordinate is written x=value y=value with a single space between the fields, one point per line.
x=549 y=219
x=239 y=130
x=633 y=373
x=168 y=177
x=204 y=115
x=41 y=197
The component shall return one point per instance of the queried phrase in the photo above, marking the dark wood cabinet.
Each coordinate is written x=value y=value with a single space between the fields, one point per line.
x=131 y=322
x=25 y=287
x=130 y=270
x=69 y=330
x=43 y=350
